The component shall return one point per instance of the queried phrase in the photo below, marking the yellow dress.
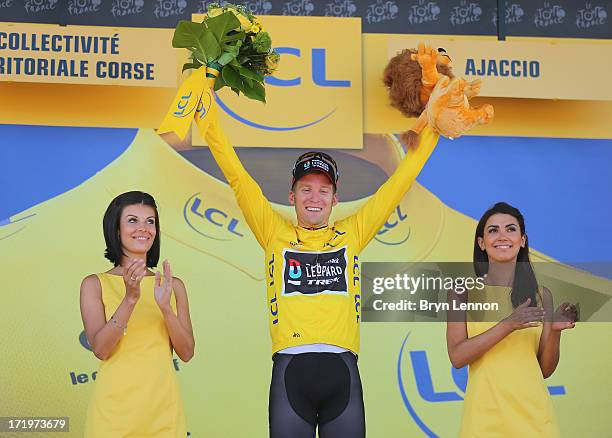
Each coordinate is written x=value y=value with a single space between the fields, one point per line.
x=506 y=395
x=136 y=393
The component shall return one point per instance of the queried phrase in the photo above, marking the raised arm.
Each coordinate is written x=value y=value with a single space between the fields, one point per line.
x=376 y=211
x=259 y=214
x=178 y=324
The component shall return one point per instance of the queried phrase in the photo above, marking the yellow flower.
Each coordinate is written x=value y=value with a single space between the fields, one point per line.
x=255 y=28
x=245 y=23
x=215 y=12
x=258 y=24
x=272 y=61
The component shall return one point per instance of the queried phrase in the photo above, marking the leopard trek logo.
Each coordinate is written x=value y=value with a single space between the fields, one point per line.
x=590 y=16
x=6 y=4
x=340 y=8
x=80 y=7
x=465 y=13
x=36 y=6
x=121 y=8
x=423 y=12
x=380 y=11
x=314 y=273
x=514 y=14
x=169 y=8
x=549 y=15
x=298 y=7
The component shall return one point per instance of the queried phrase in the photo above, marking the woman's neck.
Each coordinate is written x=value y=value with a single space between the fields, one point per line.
x=128 y=259
x=501 y=274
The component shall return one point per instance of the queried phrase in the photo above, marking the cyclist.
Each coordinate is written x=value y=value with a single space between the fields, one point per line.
x=313 y=285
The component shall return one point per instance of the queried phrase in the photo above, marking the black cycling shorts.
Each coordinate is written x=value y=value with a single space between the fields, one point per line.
x=310 y=390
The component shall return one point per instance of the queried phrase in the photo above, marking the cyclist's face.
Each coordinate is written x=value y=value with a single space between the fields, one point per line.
x=313 y=197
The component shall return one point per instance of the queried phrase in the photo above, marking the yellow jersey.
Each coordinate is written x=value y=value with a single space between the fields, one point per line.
x=312 y=276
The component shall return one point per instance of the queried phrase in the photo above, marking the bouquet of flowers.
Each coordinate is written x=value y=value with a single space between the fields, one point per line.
x=228 y=48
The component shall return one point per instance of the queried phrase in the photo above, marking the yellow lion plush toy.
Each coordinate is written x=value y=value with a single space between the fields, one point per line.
x=421 y=82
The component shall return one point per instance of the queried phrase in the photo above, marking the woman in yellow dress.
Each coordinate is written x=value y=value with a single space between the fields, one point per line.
x=508 y=358
x=133 y=320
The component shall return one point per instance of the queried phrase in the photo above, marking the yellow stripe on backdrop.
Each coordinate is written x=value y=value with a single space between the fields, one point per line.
x=524 y=67
x=205 y=237
x=144 y=107
x=95 y=55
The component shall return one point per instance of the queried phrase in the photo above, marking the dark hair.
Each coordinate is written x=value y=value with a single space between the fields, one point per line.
x=110 y=226
x=524 y=284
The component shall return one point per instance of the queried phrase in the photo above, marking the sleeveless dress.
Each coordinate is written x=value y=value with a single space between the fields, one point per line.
x=136 y=391
x=506 y=395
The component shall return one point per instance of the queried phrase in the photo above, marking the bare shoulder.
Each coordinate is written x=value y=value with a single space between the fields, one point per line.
x=91 y=284
x=91 y=292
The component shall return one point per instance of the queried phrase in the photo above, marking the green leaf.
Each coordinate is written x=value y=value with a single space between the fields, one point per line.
x=238 y=36
x=256 y=92
x=226 y=58
x=221 y=25
x=219 y=83
x=247 y=82
x=212 y=48
x=230 y=53
x=246 y=73
x=262 y=42
x=199 y=56
x=189 y=65
x=232 y=78
x=198 y=39
x=187 y=34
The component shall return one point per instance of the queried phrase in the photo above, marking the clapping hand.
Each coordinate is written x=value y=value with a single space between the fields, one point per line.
x=565 y=317
x=525 y=316
x=163 y=289
x=132 y=275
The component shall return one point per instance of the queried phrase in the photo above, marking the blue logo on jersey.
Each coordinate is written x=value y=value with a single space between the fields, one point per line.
x=295 y=270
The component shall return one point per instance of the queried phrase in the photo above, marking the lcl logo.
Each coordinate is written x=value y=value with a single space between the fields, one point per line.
x=209 y=221
x=319 y=76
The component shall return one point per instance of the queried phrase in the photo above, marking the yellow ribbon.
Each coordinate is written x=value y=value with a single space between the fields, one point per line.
x=195 y=100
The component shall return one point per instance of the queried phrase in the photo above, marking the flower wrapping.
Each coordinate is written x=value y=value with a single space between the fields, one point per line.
x=228 y=48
